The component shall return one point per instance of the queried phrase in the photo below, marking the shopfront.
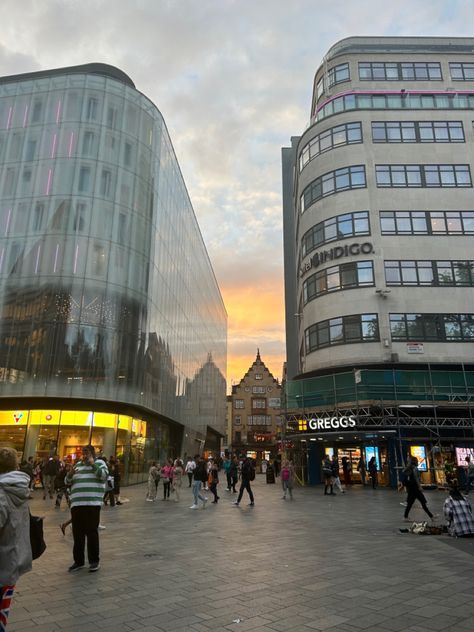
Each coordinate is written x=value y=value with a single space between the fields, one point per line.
x=135 y=441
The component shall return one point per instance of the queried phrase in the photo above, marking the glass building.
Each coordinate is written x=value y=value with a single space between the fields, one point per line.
x=112 y=326
x=378 y=220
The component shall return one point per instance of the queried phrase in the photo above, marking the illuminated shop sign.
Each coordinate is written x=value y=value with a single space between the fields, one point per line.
x=326 y=423
x=337 y=252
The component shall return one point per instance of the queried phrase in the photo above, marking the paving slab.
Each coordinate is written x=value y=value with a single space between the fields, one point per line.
x=334 y=563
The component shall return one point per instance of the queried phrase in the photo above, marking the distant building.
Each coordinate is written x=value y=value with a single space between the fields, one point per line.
x=256 y=403
x=112 y=326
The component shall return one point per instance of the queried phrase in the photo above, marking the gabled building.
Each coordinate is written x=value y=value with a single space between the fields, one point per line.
x=256 y=413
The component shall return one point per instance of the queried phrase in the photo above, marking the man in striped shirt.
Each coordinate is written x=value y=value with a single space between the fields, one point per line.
x=87 y=480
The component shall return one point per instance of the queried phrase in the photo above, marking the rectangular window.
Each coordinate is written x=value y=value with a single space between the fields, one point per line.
x=417 y=132
x=338 y=74
x=92 y=108
x=427 y=222
x=30 y=150
x=432 y=327
x=343 y=330
x=343 y=277
x=461 y=71
x=347 y=134
x=38 y=215
x=88 y=144
x=84 y=179
x=105 y=183
x=397 y=71
x=259 y=403
x=37 y=111
x=423 y=176
x=239 y=403
x=79 y=223
x=333 y=182
x=258 y=389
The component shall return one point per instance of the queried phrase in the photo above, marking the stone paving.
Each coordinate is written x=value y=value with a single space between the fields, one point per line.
x=317 y=563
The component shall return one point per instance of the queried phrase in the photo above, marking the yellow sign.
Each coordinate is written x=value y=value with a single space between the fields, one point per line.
x=45 y=417
x=13 y=417
x=302 y=425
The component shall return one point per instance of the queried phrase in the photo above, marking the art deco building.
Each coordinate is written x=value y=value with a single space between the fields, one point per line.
x=112 y=325
x=256 y=420
x=379 y=265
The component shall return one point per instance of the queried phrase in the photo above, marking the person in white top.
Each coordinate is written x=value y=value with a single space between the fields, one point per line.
x=189 y=469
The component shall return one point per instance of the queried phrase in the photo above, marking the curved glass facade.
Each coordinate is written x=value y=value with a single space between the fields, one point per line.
x=107 y=291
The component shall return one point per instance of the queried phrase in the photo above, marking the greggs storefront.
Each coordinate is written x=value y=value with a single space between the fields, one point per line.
x=43 y=432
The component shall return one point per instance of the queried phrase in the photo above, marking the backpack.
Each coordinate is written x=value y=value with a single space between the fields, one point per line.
x=285 y=474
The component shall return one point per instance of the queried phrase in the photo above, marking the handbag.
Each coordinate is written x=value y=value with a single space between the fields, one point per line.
x=38 y=545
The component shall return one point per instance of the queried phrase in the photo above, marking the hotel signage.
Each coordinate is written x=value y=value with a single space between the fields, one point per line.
x=337 y=252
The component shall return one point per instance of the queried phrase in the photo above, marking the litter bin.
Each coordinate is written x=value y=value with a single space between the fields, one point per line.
x=270 y=474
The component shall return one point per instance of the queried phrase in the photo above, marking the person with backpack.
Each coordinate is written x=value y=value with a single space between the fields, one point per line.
x=247 y=475
x=287 y=477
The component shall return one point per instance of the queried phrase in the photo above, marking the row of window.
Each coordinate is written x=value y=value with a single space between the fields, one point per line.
x=256 y=403
x=391 y=223
x=333 y=182
x=342 y=277
x=415 y=272
x=383 y=132
x=423 y=176
x=427 y=222
x=342 y=330
x=395 y=101
x=396 y=71
x=432 y=327
x=403 y=328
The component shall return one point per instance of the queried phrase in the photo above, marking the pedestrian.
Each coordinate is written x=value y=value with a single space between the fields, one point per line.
x=362 y=469
x=167 y=478
x=15 y=547
x=234 y=473
x=336 y=481
x=27 y=467
x=287 y=477
x=152 y=487
x=213 y=481
x=328 y=476
x=227 y=466
x=346 y=470
x=247 y=475
x=373 y=472
x=115 y=466
x=178 y=472
x=200 y=476
x=60 y=485
x=87 y=480
x=189 y=469
x=413 y=486
x=50 y=470
x=469 y=473
x=458 y=513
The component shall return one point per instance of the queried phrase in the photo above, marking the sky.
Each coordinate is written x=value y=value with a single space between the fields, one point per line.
x=233 y=80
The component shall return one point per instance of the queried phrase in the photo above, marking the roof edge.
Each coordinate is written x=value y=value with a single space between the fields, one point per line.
x=94 y=68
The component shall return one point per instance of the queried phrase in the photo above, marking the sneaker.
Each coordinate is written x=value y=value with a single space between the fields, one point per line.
x=149 y=500
x=194 y=507
x=75 y=567
x=102 y=526
x=403 y=504
x=236 y=503
x=94 y=567
x=251 y=504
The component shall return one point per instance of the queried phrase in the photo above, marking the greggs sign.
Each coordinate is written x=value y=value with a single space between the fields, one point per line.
x=327 y=423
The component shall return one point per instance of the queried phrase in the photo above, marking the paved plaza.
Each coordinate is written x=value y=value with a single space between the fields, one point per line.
x=318 y=563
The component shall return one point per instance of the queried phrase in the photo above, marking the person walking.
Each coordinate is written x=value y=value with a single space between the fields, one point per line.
x=247 y=475
x=167 y=478
x=227 y=465
x=336 y=481
x=362 y=469
x=189 y=469
x=200 y=476
x=15 y=546
x=413 y=486
x=287 y=477
x=234 y=473
x=50 y=471
x=469 y=473
x=458 y=513
x=213 y=478
x=60 y=485
x=346 y=470
x=153 y=474
x=178 y=472
x=328 y=476
x=373 y=472
x=87 y=480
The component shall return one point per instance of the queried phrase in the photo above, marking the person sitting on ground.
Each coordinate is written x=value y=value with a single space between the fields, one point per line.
x=458 y=513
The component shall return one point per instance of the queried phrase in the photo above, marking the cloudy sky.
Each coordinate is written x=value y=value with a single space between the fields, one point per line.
x=233 y=80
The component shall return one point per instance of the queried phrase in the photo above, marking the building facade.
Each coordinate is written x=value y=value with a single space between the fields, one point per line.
x=256 y=415
x=379 y=271
x=112 y=326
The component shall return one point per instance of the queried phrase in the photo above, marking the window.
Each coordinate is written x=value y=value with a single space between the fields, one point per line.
x=80 y=218
x=343 y=277
x=343 y=330
x=38 y=214
x=98 y=260
x=427 y=222
x=430 y=273
x=258 y=376
x=347 y=134
x=397 y=71
x=407 y=100
x=432 y=327
x=333 y=182
x=112 y=114
x=30 y=151
x=239 y=403
x=105 y=182
x=258 y=389
x=88 y=144
x=338 y=74
x=461 y=71
x=259 y=403
x=92 y=108
x=238 y=436
x=259 y=420
x=37 y=110
x=127 y=154
x=417 y=132
x=335 y=228
x=423 y=176
x=84 y=179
